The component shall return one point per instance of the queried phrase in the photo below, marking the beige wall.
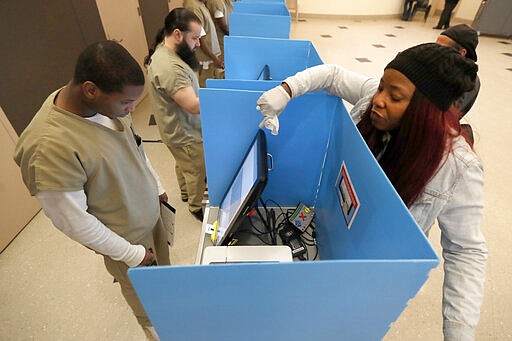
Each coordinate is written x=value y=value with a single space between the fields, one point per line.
x=466 y=9
x=17 y=207
x=345 y=7
x=175 y=3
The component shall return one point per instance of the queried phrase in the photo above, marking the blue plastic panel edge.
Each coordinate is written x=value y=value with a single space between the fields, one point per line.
x=326 y=300
x=268 y=8
x=237 y=84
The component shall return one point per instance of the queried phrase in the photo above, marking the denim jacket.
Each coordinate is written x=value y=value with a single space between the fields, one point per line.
x=454 y=196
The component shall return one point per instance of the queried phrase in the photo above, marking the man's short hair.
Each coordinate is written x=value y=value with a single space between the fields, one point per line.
x=108 y=65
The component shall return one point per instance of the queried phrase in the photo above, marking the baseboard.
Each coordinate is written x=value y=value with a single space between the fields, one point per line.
x=303 y=15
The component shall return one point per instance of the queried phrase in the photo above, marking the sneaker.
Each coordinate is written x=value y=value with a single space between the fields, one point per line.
x=198 y=214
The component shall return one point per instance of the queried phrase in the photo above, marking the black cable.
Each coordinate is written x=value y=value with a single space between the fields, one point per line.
x=265 y=222
x=273 y=226
x=152 y=141
x=313 y=233
x=309 y=234
x=307 y=239
x=316 y=253
x=254 y=234
x=254 y=227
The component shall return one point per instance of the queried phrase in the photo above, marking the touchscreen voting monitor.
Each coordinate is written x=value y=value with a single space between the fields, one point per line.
x=244 y=190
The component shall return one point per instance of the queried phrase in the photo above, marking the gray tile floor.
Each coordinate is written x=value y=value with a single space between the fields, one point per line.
x=53 y=289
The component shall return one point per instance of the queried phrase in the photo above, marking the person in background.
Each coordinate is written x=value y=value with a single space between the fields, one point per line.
x=83 y=161
x=173 y=91
x=446 y=14
x=408 y=4
x=209 y=52
x=409 y=122
x=220 y=11
x=464 y=39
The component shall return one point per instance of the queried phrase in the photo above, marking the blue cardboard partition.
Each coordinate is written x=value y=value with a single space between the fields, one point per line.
x=270 y=19
x=263 y=1
x=245 y=57
x=259 y=25
x=240 y=84
x=379 y=205
x=322 y=301
x=297 y=152
x=261 y=7
x=367 y=273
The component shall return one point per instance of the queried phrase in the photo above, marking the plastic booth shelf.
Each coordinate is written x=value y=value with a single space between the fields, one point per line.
x=366 y=274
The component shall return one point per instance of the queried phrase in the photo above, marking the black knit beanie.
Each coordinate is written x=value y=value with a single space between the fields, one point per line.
x=438 y=72
x=465 y=36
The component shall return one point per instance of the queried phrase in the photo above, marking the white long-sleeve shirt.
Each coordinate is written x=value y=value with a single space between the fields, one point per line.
x=68 y=212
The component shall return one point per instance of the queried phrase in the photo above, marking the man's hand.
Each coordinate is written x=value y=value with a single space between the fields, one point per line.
x=163 y=197
x=271 y=104
x=149 y=258
x=218 y=63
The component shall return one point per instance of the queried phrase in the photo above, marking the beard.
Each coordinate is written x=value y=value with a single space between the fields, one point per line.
x=187 y=55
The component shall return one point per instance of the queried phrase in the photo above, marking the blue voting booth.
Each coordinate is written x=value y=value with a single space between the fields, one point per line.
x=246 y=57
x=366 y=274
x=270 y=19
x=373 y=259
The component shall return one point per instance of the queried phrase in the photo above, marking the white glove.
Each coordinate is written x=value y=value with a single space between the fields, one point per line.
x=271 y=104
x=271 y=123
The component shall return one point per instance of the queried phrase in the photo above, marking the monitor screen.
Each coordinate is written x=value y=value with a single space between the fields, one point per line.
x=244 y=190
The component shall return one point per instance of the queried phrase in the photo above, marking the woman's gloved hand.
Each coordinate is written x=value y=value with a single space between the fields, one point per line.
x=271 y=104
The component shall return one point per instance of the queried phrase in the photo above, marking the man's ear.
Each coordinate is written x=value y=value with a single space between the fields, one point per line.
x=178 y=35
x=89 y=90
x=463 y=52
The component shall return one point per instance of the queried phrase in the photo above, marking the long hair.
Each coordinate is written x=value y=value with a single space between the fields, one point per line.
x=179 y=18
x=417 y=148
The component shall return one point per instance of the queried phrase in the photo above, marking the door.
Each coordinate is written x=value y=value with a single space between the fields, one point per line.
x=153 y=16
x=175 y=3
x=494 y=18
x=122 y=22
x=41 y=41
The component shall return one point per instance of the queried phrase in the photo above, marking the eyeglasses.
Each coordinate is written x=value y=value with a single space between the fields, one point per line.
x=195 y=37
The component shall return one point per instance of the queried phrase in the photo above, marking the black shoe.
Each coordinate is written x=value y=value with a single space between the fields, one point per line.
x=437 y=28
x=184 y=199
x=198 y=214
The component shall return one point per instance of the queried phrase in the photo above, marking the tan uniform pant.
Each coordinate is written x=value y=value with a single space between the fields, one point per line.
x=157 y=241
x=191 y=173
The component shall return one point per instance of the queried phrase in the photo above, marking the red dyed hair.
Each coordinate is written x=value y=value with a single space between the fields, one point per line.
x=417 y=147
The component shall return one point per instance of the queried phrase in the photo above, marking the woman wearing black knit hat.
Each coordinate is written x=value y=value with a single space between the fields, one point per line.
x=410 y=124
